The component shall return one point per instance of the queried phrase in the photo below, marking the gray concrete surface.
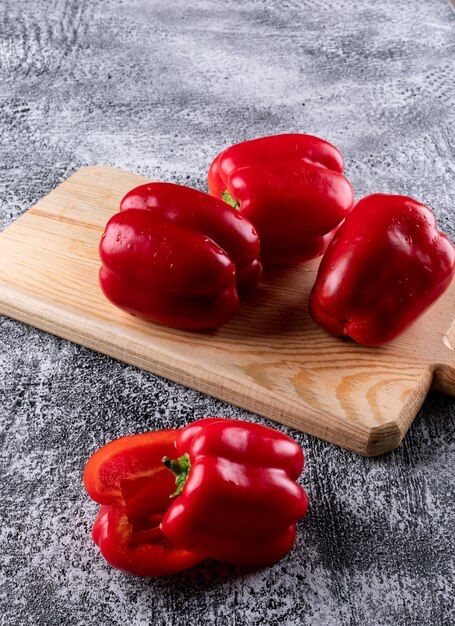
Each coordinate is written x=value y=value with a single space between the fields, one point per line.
x=158 y=88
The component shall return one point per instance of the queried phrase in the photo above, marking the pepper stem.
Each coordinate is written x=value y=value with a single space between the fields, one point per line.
x=229 y=199
x=180 y=469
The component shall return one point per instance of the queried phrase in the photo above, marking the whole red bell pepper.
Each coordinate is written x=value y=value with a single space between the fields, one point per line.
x=237 y=500
x=292 y=189
x=177 y=256
x=128 y=479
x=385 y=266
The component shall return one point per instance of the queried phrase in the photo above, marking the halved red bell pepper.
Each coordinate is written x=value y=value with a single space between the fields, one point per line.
x=292 y=189
x=385 y=266
x=179 y=257
x=128 y=479
x=237 y=500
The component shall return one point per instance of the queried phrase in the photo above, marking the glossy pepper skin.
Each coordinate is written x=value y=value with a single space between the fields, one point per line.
x=179 y=257
x=291 y=187
x=240 y=502
x=128 y=479
x=385 y=266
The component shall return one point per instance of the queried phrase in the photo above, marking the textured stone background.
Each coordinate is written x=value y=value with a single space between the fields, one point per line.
x=158 y=88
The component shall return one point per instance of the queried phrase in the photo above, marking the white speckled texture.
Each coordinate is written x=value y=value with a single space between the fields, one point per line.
x=158 y=88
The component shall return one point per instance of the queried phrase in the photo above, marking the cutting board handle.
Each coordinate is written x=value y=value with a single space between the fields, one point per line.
x=444 y=373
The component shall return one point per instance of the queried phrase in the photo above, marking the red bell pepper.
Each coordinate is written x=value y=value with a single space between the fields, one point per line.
x=292 y=189
x=177 y=256
x=128 y=479
x=237 y=499
x=385 y=266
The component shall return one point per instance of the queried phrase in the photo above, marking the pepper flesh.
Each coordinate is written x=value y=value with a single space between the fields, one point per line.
x=127 y=478
x=240 y=502
x=179 y=257
x=385 y=266
x=291 y=187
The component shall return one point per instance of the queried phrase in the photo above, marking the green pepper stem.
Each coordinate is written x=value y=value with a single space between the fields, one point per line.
x=180 y=469
x=229 y=199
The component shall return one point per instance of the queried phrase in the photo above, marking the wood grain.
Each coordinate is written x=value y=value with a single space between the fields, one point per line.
x=271 y=359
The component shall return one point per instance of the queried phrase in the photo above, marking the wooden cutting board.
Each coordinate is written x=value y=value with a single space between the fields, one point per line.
x=270 y=359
